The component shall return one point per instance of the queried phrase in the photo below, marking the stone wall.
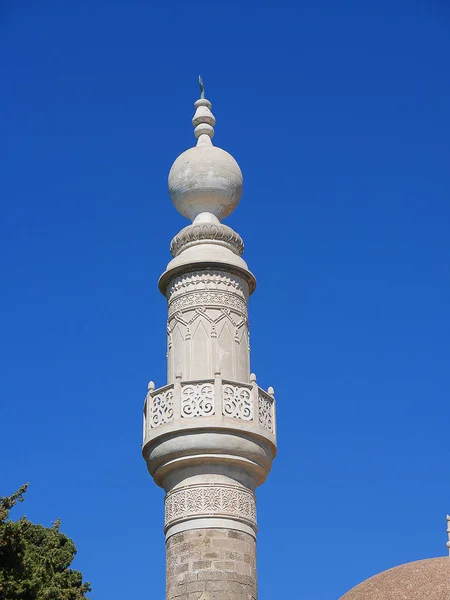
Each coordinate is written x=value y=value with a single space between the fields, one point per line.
x=211 y=564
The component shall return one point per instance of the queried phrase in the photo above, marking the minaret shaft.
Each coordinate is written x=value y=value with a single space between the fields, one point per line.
x=209 y=434
x=208 y=326
x=213 y=564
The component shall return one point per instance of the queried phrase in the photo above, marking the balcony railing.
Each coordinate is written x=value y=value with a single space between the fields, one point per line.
x=226 y=403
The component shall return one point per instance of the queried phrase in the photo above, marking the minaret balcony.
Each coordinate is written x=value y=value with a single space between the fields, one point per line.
x=209 y=403
x=222 y=409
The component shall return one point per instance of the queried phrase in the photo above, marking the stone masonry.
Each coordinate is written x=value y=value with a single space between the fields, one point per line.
x=211 y=564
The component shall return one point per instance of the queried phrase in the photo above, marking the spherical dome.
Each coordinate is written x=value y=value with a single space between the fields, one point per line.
x=420 y=580
x=205 y=179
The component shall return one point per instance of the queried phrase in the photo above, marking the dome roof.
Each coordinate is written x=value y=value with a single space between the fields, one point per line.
x=205 y=178
x=420 y=580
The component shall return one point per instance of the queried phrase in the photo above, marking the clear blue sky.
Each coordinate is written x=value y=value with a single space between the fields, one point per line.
x=338 y=113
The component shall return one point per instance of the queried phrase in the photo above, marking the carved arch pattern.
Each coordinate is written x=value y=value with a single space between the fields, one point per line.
x=210 y=298
x=187 y=320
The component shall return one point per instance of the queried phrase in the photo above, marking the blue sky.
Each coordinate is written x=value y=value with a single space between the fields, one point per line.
x=338 y=115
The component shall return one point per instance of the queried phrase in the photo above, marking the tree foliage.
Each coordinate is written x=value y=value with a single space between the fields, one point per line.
x=35 y=560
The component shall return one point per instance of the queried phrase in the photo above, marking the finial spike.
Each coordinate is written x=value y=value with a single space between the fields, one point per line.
x=203 y=120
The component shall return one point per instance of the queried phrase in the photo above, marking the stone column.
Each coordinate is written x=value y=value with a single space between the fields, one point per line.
x=209 y=433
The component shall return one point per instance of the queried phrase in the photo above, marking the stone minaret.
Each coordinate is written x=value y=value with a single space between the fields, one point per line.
x=209 y=434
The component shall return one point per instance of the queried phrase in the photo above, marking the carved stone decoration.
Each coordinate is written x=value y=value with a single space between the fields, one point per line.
x=160 y=408
x=212 y=297
x=207 y=500
x=204 y=232
x=201 y=281
x=211 y=315
x=237 y=402
x=208 y=298
x=197 y=400
x=265 y=411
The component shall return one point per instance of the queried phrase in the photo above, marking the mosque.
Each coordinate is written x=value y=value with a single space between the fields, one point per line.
x=210 y=432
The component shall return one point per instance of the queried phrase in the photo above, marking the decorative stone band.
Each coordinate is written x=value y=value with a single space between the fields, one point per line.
x=200 y=506
x=217 y=233
x=208 y=281
x=203 y=300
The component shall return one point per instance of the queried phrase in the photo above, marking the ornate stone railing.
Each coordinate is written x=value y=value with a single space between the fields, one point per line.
x=209 y=403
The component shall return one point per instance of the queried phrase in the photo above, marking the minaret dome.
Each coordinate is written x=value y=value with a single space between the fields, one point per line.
x=205 y=178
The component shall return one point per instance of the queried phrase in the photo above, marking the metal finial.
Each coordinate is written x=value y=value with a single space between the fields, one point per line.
x=202 y=87
x=448 y=533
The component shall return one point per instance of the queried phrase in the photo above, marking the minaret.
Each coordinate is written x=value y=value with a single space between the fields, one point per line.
x=209 y=434
x=448 y=534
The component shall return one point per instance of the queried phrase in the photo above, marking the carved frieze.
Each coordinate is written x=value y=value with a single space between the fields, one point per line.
x=208 y=298
x=207 y=281
x=204 y=232
x=210 y=500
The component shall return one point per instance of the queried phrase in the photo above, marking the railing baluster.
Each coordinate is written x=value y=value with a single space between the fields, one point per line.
x=218 y=395
x=177 y=395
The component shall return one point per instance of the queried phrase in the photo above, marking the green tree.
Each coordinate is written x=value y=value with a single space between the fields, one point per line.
x=35 y=560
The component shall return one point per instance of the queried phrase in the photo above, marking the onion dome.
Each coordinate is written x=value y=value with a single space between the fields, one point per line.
x=420 y=580
x=205 y=178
